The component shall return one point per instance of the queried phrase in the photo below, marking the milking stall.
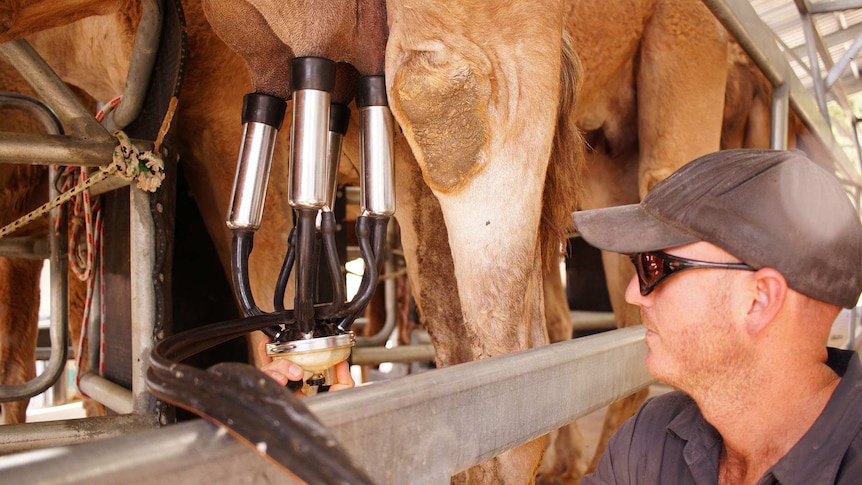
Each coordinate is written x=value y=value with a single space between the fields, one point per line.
x=157 y=309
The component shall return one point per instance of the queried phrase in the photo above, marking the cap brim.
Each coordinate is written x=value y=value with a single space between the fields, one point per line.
x=628 y=229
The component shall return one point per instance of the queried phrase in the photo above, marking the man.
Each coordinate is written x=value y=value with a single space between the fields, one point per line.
x=744 y=259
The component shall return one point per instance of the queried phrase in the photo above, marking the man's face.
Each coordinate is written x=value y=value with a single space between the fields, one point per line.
x=694 y=321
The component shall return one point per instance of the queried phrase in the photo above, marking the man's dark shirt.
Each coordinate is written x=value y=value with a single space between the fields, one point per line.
x=669 y=442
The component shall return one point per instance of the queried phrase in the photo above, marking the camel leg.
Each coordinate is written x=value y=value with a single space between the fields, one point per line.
x=425 y=243
x=484 y=145
x=564 y=460
x=19 y=312
x=681 y=83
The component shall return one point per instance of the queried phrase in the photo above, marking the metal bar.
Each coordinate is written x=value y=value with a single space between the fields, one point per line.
x=94 y=320
x=836 y=38
x=195 y=452
x=533 y=392
x=814 y=64
x=35 y=107
x=835 y=71
x=16 y=438
x=742 y=21
x=819 y=83
x=401 y=353
x=44 y=353
x=780 y=114
x=52 y=90
x=815 y=41
x=53 y=126
x=143 y=243
x=753 y=35
x=589 y=320
x=25 y=148
x=116 y=397
x=107 y=185
x=25 y=247
x=834 y=6
x=140 y=67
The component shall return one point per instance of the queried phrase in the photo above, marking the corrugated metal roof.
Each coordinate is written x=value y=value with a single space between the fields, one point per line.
x=837 y=29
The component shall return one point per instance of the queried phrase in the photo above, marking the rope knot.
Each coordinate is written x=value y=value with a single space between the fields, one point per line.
x=130 y=163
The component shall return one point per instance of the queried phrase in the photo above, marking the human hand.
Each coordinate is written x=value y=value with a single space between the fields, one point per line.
x=284 y=370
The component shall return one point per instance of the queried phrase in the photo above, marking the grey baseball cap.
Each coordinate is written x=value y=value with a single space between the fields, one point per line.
x=769 y=208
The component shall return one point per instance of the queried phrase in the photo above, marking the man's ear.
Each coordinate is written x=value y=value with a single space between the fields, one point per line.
x=770 y=293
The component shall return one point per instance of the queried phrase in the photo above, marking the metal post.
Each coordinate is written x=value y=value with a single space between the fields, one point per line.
x=141 y=64
x=52 y=90
x=114 y=396
x=814 y=64
x=143 y=242
x=400 y=353
x=16 y=438
x=742 y=21
x=780 y=115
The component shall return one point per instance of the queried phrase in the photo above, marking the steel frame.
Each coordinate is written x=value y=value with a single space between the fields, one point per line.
x=56 y=254
x=421 y=428
x=89 y=143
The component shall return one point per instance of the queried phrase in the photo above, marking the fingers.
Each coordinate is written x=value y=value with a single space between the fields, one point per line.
x=343 y=379
x=283 y=370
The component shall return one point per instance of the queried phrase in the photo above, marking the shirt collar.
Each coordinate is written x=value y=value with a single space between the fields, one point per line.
x=818 y=454
x=702 y=443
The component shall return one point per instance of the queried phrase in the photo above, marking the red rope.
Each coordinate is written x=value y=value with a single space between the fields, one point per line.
x=83 y=259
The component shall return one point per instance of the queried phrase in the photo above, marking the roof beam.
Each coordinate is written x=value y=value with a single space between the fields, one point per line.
x=833 y=6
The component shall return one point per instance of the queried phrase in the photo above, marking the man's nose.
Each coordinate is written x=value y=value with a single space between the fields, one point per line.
x=633 y=292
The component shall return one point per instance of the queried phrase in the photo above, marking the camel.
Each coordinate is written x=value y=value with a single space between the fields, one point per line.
x=440 y=75
x=203 y=126
x=444 y=70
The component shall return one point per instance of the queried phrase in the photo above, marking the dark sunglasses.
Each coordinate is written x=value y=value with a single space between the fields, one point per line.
x=654 y=267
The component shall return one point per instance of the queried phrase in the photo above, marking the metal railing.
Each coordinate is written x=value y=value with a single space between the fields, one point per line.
x=421 y=428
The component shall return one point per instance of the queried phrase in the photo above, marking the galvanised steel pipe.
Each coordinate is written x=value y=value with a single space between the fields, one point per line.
x=141 y=64
x=29 y=149
x=53 y=91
